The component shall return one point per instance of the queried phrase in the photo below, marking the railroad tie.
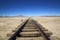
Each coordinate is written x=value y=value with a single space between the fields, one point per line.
x=30 y=32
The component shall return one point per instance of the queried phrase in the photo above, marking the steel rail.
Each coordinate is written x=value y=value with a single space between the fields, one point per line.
x=41 y=31
x=13 y=37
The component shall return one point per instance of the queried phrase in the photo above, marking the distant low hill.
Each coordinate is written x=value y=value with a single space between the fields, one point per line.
x=20 y=16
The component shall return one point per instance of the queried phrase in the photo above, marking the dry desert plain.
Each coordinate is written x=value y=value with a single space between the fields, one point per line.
x=50 y=23
x=8 y=24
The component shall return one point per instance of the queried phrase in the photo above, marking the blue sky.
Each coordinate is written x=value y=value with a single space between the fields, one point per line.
x=29 y=7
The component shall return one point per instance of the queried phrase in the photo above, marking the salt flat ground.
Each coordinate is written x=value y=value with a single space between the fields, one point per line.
x=50 y=23
x=7 y=24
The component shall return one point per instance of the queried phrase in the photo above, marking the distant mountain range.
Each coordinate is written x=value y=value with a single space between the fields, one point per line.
x=49 y=16
x=26 y=16
x=14 y=16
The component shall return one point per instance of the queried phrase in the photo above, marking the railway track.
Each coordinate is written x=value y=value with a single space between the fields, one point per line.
x=30 y=30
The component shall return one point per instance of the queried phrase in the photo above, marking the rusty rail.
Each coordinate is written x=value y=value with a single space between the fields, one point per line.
x=41 y=31
x=13 y=37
